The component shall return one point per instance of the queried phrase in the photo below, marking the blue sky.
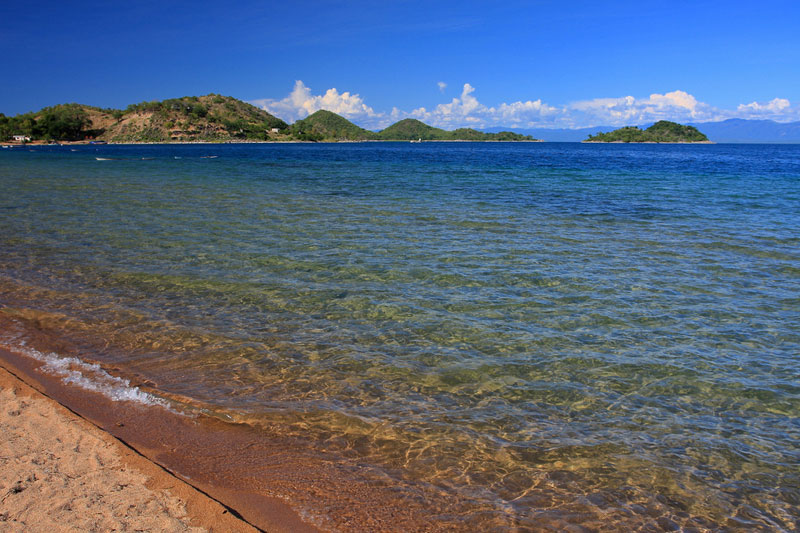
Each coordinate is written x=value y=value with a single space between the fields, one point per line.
x=481 y=64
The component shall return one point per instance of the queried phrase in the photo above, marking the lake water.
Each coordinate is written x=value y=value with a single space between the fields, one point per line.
x=603 y=333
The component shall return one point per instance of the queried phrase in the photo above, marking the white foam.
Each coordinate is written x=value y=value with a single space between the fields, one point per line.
x=87 y=376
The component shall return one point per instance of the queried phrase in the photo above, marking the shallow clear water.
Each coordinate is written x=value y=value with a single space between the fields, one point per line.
x=605 y=331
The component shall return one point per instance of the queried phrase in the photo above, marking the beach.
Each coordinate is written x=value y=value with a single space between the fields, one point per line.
x=99 y=465
x=60 y=472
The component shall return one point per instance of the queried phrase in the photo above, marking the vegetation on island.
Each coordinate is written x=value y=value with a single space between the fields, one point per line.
x=65 y=122
x=411 y=129
x=662 y=131
x=325 y=125
x=213 y=118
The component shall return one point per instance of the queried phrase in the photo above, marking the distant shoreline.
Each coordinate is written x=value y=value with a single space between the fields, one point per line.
x=245 y=141
x=648 y=142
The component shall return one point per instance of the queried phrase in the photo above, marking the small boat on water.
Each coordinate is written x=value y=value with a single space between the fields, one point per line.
x=417 y=141
x=124 y=158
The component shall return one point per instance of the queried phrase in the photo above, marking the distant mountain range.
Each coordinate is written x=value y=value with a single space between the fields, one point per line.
x=737 y=130
x=734 y=130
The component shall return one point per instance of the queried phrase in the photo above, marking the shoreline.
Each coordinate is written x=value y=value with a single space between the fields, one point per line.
x=58 y=464
x=274 y=482
x=90 y=418
x=135 y=143
x=648 y=142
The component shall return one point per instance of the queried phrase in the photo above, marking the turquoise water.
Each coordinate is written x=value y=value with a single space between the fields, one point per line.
x=606 y=333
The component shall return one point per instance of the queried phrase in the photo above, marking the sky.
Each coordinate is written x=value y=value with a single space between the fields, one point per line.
x=451 y=64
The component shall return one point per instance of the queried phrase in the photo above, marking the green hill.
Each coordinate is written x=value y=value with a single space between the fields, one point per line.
x=412 y=129
x=469 y=134
x=663 y=131
x=326 y=125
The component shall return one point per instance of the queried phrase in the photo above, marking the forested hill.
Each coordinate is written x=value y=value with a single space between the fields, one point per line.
x=412 y=130
x=663 y=131
x=326 y=125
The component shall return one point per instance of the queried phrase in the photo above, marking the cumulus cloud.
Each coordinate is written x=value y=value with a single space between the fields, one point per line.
x=467 y=111
x=442 y=86
x=680 y=99
x=461 y=111
x=775 y=106
x=461 y=106
x=676 y=105
x=301 y=102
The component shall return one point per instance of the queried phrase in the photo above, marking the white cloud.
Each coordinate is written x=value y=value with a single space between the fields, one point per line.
x=776 y=106
x=460 y=106
x=680 y=99
x=526 y=113
x=467 y=111
x=442 y=86
x=301 y=102
x=676 y=105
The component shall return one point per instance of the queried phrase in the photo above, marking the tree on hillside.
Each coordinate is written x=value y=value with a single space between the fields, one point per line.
x=62 y=123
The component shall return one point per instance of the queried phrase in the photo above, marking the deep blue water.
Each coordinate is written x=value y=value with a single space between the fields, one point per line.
x=612 y=330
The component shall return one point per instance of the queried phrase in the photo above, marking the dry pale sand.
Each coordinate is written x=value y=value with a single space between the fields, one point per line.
x=59 y=472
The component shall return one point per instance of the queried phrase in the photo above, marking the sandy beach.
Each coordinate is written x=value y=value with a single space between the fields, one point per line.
x=59 y=472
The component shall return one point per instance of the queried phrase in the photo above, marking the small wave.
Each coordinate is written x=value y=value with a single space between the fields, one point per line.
x=89 y=376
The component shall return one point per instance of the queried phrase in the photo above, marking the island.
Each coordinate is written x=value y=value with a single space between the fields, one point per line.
x=662 y=131
x=212 y=118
